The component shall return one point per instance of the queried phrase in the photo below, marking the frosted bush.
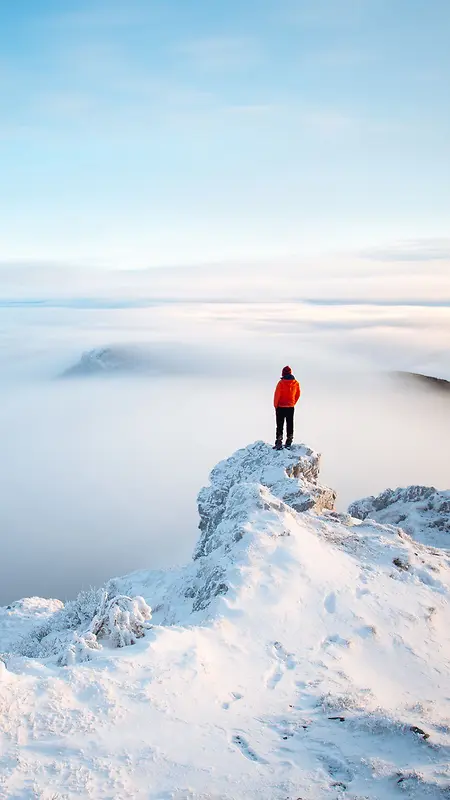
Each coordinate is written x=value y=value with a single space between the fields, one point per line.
x=121 y=619
x=76 y=631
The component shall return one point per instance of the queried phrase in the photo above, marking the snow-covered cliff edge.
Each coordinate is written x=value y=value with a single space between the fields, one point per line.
x=302 y=653
x=422 y=511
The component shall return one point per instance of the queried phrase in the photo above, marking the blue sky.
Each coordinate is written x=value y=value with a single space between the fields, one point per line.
x=179 y=131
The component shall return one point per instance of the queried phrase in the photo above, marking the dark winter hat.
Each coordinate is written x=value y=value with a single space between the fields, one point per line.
x=286 y=371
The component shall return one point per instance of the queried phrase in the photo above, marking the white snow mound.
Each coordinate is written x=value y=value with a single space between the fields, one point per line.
x=301 y=654
x=422 y=511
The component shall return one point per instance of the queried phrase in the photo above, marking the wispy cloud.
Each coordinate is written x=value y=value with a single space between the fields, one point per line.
x=338 y=58
x=95 y=79
x=329 y=122
x=415 y=250
x=221 y=52
x=95 y=83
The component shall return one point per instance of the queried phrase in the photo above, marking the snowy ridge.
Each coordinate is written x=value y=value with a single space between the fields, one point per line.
x=301 y=654
x=422 y=511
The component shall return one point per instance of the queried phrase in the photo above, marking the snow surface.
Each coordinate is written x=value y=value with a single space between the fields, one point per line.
x=302 y=654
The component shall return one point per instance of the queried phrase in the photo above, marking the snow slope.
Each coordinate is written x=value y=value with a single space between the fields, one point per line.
x=302 y=654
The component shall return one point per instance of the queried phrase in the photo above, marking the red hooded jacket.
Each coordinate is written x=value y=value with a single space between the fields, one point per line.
x=287 y=392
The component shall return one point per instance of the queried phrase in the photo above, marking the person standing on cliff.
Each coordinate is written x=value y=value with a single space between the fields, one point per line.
x=286 y=395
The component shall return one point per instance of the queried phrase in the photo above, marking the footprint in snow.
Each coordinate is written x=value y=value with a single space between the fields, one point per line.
x=234 y=697
x=282 y=654
x=330 y=603
x=367 y=631
x=247 y=751
x=336 y=639
x=283 y=661
x=337 y=769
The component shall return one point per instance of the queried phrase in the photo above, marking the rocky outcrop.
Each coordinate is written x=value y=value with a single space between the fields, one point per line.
x=422 y=511
x=107 y=360
x=290 y=476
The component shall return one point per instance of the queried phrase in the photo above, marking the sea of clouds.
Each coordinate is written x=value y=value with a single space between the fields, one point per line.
x=100 y=469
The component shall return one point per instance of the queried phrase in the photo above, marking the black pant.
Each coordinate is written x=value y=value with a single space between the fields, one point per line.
x=288 y=415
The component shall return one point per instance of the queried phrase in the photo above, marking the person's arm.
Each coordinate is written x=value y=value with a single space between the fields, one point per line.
x=298 y=392
x=276 y=397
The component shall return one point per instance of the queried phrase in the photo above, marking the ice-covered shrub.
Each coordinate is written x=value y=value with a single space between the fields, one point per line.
x=73 y=633
x=121 y=619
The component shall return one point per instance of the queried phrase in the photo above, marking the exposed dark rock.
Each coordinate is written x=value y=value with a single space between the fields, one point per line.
x=428 y=381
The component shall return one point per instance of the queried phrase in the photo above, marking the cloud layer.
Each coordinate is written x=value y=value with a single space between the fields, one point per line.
x=100 y=475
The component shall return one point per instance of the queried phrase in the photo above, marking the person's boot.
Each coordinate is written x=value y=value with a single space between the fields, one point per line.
x=278 y=444
x=288 y=444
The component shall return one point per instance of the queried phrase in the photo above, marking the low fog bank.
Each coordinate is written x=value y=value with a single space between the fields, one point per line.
x=412 y=275
x=101 y=477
